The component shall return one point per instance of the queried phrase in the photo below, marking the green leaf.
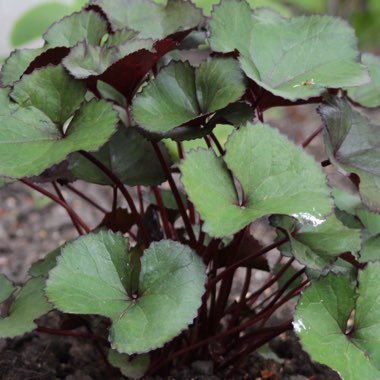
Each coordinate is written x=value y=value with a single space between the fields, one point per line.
x=131 y=367
x=43 y=266
x=82 y=26
x=295 y=58
x=368 y=95
x=228 y=33
x=276 y=178
x=150 y=19
x=92 y=275
x=130 y=157
x=85 y=60
x=34 y=22
x=6 y=288
x=31 y=142
x=322 y=323
x=370 y=250
x=110 y=93
x=181 y=93
x=51 y=90
x=16 y=64
x=221 y=131
x=345 y=201
x=353 y=144
x=237 y=114
x=318 y=246
x=29 y=304
x=370 y=220
x=370 y=190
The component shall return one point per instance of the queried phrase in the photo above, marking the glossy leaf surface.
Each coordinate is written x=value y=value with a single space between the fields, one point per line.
x=276 y=178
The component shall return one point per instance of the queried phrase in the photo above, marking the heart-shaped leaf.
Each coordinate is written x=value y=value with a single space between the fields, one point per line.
x=181 y=93
x=323 y=319
x=368 y=95
x=318 y=246
x=29 y=304
x=353 y=144
x=52 y=91
x=85 y=25
x=149 y=19
x=92 y=276
x=295 y=58
x=276 y=177
x=129 y=155
x=33 y=134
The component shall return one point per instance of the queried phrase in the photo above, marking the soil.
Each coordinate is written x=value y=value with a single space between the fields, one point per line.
x=30 y=228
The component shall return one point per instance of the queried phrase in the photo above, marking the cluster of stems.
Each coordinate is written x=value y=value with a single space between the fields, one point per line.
x=238 y=323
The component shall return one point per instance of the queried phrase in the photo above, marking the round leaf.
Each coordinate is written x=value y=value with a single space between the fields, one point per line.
x=31 y=142
x=276 y=178
x=181 y=93
x=322 y=318
x=30 y=303
x=293 y=58
x=92 y=276
x=51 y=90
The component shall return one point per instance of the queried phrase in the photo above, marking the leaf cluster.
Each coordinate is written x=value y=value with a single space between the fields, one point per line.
x=164 y=107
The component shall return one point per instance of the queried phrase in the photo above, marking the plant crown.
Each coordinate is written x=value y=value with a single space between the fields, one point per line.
x=119 y=95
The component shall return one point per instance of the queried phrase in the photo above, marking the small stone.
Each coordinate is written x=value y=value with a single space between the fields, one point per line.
x=203 y=367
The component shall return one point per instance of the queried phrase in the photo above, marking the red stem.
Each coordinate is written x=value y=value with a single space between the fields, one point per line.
x=176 y=194
x=62 y=198
x=239 y=263
x=163 y=213
x=312 y=137
x=141 y=199
x=53 y=197
x=217 y=144
x=86 y=198
x=123 y=190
